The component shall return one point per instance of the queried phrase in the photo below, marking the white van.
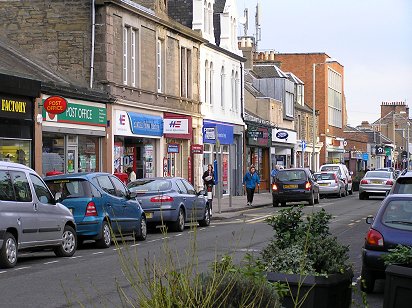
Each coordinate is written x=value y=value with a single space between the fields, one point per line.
x=343 y=174
x=30 y=218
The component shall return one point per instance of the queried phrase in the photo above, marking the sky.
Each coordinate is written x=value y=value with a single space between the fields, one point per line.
x=372 y=39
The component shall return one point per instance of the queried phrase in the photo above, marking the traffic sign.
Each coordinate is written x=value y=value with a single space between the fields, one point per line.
x=303 y=145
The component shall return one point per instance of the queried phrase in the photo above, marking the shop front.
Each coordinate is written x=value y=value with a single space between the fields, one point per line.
x=178 y=133
x=258 y=143
x=72 y=135
x=137 y=142
x=16 y=119
x=335 y=150
x=283 y=147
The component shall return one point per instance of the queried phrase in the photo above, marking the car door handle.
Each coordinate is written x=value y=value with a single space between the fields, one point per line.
x=184 y=198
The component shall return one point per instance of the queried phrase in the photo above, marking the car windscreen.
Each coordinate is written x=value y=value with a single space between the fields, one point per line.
x=291 y=175
x=324 y=176
x=330 y=168
x=378 y=174
x=403 y=185
x=398 y=214
x=69 y=188
x=149 y=185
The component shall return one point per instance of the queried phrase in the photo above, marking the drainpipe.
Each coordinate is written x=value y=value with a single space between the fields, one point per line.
x=92 y=51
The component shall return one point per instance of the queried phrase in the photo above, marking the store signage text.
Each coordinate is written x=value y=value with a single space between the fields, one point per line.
x=13 y=106
x=173 y=148
x=282 y=135
x=175 y=126
x=197 y=148
x=55 y=105
x=255 y=134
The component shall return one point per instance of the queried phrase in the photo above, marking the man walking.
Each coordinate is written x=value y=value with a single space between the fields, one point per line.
x=250 y=180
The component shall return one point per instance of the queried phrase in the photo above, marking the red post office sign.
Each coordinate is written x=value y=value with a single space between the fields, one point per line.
x=55 y=105
x=197 y=148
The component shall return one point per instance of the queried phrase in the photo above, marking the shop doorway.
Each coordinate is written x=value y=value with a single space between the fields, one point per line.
x=72 y=159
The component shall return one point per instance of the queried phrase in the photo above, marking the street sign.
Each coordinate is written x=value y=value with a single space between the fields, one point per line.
x=380 y=150
x=303 y=145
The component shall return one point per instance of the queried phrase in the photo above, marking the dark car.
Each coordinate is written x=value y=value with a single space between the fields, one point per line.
x=297 y=184
x=171 y=200
x=392 y=226
x=100 y=203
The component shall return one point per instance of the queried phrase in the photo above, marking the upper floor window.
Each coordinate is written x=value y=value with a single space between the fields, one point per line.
x=299 y=128
x=185 y=72
x=222 y=87
x=159 y=65
x=205 y=17
x=237 y=90
x=211 y=83
x=232 y=84
x=210 y=18
x=289 y=99
x=334 y=98
x=130 y=56
x=207 y=83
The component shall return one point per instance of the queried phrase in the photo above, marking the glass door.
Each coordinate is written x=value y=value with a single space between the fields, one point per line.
x=71 y=159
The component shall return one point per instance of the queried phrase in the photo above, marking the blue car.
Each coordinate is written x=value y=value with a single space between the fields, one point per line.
x=100 y=203
x=171 y=201
x=392 y=226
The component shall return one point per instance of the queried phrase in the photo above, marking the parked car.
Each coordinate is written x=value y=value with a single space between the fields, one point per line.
x=30 y=218
x=100 y=204
x=173 y=201
x=330 y=184
x=297 y=184
x=403 y=183
x=375 y=183
x=343 y=174
x=392 y=226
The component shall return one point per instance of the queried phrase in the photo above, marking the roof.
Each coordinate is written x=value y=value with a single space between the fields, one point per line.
x=294 y=78
x=268 y=71
x=305 y=107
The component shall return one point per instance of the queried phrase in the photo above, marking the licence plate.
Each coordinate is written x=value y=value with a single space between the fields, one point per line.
x=376 y=182
x=149 y=215
x=290 y=186
x=323 y=184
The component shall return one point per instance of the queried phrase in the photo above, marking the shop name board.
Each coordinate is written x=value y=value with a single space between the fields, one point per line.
x=55 y=105
x=255 y=134
x=79 y=114
x=197 y=148
x=17 y=108
x=282 y=135
x=173 y=148
x=175 y=126
x=143 y=124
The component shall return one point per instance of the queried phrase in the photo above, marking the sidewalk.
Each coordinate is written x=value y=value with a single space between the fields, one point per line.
x=238 y=204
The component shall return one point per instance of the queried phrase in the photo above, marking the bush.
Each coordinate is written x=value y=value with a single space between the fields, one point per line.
x=401 y=255
x=304 y=246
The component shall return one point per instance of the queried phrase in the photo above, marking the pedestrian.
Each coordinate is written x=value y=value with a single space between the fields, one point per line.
x=250 y=180
x=131 y=175
x=274 y=172
x=209 y=181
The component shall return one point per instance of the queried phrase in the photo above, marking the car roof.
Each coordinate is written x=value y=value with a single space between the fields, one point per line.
x=6 y=164
x=160 y=178
x=80 y=175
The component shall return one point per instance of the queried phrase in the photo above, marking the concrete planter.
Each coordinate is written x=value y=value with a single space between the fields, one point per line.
x=398 y=287
x=332 y=291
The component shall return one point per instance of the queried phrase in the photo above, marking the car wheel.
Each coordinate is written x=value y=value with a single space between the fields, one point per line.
x=283 y=204
x=312 y=199
x=106 y=239
x=206 y=219
x=8 y=253
x=317 y=199
x=69 y=243
x=179 y=224
x=367 y=281
x=342 y=193
x=361 y=196
x=339 y=195
x=351 y=191
x=275 y=202
x=143 y=230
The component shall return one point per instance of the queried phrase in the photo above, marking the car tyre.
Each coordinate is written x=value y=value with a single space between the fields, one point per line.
x=312 y=199
x=351 y=191
x=142 y=234
x=179 y=224
x=283 y=204
x=106 y=240
x=317 y=199
x=69 y=243
x=205 y=222
x=361 y=196
x=8 y=253
x=275 y=203
x=367 y=281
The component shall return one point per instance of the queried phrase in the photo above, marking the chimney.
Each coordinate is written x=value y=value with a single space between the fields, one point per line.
x=246 y=45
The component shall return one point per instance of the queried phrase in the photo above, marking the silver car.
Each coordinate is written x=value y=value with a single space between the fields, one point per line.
x=376 y=183
x=330 y=184
x=30 y=218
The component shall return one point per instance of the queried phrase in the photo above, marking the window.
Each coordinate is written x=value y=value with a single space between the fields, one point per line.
x=21 y=186
x=6 y=187
x=120 y=189
x=189 y=187
x=299 y=128
x=185 y=72
x=210 y=19
x=232 y=84
x=105 y=184
x=181 y=186
x=211 y=83
x=237 y=102
x=159 y=63
x=222 y=87
x=289 y=104
x=334 y=98
x=130 y=56
x=206 y=17
x=42 y=192
x=207 y=83
x=307 y=133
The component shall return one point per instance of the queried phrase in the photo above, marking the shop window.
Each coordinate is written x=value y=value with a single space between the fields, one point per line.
x=88 y=154
x=16 y=151
x=53 y=153
x=21 y=187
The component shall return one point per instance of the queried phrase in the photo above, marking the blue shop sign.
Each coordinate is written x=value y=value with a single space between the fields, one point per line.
x=144 y=124
x=365 y=156
x=225 y=132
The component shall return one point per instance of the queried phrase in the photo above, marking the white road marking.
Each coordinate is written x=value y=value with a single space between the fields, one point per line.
x=358 y=221
x=97 y=253
x=247 y=250
x=351 y=224
x=76 y=257
x=119 y=248
x=151 y=241
x=50 y=262
x=3 y=272
x=180 y=234
x=134 y=245
x=165 y=238
x=201 y=229
x=21 y=268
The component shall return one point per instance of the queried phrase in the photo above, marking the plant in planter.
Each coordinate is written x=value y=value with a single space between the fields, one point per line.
x=398 y=282
x=309 y=259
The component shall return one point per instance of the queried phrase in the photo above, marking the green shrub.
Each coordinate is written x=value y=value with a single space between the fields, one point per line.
x=401 y=255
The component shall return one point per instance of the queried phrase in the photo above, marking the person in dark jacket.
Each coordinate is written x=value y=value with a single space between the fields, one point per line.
x=209 y=180
x=250 y=180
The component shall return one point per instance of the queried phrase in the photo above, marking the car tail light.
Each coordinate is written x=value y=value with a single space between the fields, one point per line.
x=389 y=182
x=308 y=186
x=374 y=238
x=336 y=178
x=274 y=187
x=91 y=209
x=364 y=182
x=161 y=199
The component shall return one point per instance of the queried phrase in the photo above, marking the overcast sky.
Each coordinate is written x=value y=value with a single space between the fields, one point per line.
x=372 y=39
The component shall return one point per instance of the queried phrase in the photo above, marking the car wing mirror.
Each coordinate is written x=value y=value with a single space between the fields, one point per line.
x=58 y=196
x=131 y=195
x=369 y=220
x=351 y=173
x=201 y=192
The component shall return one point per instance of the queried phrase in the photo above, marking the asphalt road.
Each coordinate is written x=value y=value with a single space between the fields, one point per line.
x=92 y=276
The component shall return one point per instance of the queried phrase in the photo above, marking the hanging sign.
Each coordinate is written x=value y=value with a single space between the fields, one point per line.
x=55 y=105
x=197 y=148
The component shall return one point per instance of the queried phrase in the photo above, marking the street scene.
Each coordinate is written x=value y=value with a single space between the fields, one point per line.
x=205 y=153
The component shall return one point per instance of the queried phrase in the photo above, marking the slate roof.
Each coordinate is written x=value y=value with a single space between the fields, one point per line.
x=181 y=11
x=268 y=71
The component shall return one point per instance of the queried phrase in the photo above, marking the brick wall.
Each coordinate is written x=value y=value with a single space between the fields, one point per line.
x=57 y=32
x=356 y=141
